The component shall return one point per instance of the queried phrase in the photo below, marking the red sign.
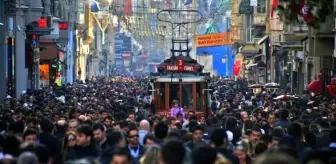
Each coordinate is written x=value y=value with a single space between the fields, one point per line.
x=180 y=64
x=42 y=23
x=236 y=68
x=63 y=25
x=189 y=68
x=332 y=88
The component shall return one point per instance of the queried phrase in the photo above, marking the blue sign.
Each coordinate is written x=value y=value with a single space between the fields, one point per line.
x=151 y=42
x=153 y=22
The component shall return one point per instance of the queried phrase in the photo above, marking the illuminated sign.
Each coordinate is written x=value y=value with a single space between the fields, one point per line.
x=189 y=68
x=213 y=40
x=63 y=25
x=42 y=23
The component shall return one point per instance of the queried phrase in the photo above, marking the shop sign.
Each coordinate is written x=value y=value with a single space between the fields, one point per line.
x=209 y=40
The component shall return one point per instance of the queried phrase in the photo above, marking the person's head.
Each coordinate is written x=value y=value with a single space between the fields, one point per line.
x=84 y=136
x=175 y=104
x=73 y=125
x=161 y=130
x=70 y=139
x=284 y=114
x=241 y=152
x=204 y=154
x=99 y=132
x=190 y=113
x=275 y=158
x=149 y=139
x=295 y=130
x=197 y=132
x=244 y=116
x=132 y=117
x=121 y=156
x=108 y=121
x=133 y=137
x=151 y=155
x=172 y=152
x=43 y=153
x=27 y=158
x=260 y=148
x=46 y=126
x=254 y=136
x=323 y=125
x=30 y=137
x=144 y=125
x=271 y=118
x=219 y=138
x=115 y=139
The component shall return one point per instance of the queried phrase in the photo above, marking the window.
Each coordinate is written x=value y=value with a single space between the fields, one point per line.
x=187 y=99
x=261 y=8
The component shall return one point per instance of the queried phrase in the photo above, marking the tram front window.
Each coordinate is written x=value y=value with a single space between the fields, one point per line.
x=187 y=101
x=174 y=90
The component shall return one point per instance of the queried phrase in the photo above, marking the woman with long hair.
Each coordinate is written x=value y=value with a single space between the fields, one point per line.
x=151 y=155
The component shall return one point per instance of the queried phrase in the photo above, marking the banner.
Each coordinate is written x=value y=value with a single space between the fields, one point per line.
x=213 y=40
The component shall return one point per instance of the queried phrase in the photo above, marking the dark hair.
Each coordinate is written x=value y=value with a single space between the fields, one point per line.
x=310 y=139
x=284 y=114
x=43 y=153
x=114 y=137
x=149 y=136
x=260 y=148
x=161 y=130
x=192 y=124
x=28 y=133
x=98 y=126
x=173 y=152
x=129 y=131
x=198 y=127
x=46 y=126
x=11 y=145
x=193 y=118
x=17 y=127
x=218 y=137
x=86 y=130
x=200 y=157
x=295 y=130
x=122 y=152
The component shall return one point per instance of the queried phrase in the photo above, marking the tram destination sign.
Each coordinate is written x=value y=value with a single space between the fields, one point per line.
x=187 y=68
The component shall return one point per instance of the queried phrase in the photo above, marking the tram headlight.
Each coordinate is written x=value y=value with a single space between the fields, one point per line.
x=199 y=68
x=160 y=69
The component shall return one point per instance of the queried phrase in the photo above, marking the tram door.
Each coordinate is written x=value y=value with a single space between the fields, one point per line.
x=160 y=96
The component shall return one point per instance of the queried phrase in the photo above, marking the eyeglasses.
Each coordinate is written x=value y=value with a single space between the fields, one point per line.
x=133 y=136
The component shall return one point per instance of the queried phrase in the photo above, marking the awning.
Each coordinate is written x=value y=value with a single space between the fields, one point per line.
x=290 y=46
x=48 y=49
x=262 y=40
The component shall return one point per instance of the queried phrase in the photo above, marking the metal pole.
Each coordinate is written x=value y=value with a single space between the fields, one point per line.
x=36 y=67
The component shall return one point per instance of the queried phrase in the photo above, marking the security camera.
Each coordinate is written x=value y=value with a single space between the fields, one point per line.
x=18 y=28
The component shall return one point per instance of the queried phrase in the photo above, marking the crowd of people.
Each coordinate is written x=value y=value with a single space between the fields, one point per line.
x=108 y=121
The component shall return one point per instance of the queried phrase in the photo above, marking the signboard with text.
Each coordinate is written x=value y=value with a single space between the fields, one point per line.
x=213 y=40
x=188 y=68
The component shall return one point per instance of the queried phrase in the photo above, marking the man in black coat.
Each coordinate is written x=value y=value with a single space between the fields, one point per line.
x=85 y=147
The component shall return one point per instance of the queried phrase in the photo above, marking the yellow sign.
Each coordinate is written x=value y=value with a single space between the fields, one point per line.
x=213 y=40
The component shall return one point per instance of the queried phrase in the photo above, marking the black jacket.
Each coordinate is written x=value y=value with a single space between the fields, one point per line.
x=79 y=152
